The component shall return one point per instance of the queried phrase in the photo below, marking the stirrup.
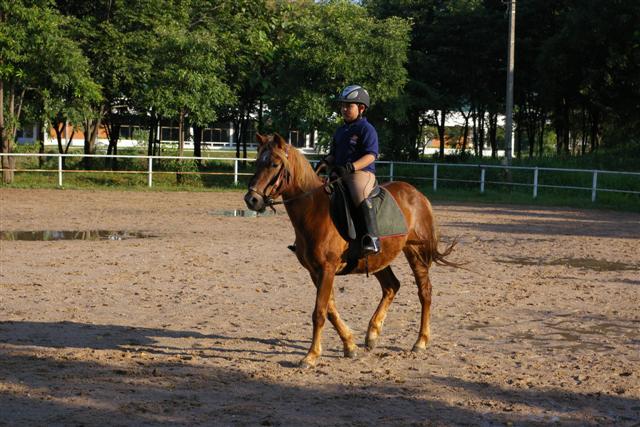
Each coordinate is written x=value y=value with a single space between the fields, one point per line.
x=370 y=244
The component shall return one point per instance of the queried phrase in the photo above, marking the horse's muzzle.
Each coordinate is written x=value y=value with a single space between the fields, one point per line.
x=254 y=201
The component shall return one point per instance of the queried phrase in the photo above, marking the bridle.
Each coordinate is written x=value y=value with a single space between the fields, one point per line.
x=277 y=183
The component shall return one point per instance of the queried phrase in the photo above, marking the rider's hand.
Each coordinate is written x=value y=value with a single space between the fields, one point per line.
x=321 y=166
x=350 y=168
x=342 y=171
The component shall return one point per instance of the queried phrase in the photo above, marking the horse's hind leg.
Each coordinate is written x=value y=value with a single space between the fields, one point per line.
x=421 y=274
x=390 y=285
x=350 y=348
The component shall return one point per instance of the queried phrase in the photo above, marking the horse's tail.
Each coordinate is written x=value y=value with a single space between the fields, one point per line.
x=428 y=240
x=429 y=253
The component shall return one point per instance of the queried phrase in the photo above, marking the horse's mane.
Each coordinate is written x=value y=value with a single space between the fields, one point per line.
x=298 y=166
x=303 y=173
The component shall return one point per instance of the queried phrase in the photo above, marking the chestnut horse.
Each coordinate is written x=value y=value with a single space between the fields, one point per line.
x=282 y=171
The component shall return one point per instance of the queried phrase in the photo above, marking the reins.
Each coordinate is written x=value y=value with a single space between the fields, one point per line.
x=300 y=196
x=278 y=180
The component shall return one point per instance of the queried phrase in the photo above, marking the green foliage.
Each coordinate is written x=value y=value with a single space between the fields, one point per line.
x=41 y=60
x=282 y=62
x=329 y=45
x=187 y=65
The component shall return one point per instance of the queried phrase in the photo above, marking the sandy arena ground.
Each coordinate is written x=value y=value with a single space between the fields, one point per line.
x=204 y=323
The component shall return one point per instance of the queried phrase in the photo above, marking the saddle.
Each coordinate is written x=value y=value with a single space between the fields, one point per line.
x=391 y=221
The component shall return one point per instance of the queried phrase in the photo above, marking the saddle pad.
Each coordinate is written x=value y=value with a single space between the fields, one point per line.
x=391 y=221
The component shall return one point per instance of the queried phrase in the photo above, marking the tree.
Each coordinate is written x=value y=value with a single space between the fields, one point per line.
x=104 y=30
x=323 y=46
x=451 y=66
x=38 y=56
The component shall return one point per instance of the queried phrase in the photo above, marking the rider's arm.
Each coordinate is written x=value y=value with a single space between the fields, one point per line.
x=363 y=161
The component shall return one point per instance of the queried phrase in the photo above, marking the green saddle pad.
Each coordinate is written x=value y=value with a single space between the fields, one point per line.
x=391 y=221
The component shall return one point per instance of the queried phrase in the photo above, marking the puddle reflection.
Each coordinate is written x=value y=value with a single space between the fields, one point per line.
x=51 y=235
x=244 y=213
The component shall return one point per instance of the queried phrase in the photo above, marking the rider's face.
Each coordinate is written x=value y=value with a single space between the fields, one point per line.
x=350 y=111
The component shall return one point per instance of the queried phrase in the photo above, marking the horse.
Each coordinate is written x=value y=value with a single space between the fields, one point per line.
x=282 y=171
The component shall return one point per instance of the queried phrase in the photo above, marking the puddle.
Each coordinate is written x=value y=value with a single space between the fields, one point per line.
x=569 y=334
x=244 y=213
x=583 y=263
x=49 y=235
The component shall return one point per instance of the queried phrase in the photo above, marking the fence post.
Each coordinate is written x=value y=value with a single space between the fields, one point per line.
x=535 y=182
x=235 y=172
x=594 y=186
x=482 y=174
x=391 y=171
x=435 y=177
x=150 y=175
x=59 y=170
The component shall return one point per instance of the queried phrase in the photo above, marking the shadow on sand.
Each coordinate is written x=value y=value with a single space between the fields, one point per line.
x=44 y=386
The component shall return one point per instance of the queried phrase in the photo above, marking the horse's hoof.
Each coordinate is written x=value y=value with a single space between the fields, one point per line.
x=306 y=364
x=351 y=353
x=419 y=348
x=371 y=343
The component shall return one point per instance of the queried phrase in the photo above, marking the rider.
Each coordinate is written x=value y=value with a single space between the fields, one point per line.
x=352 y=156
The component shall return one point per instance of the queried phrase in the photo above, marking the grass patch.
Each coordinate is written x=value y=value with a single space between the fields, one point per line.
x=504 y=194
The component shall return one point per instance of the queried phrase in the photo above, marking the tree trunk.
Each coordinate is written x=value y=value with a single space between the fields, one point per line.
x=8 y=163
x=197 y=142
x=60 y=127
x=465 y=134
x=595 y=131
x=236 y=125
x=153 y=129
x=493 y=131
x=543 y=119
x=441 y=131
x=531 y=134
x=245 y=126
x=180 y=144
x=41 y=137
x=559 y=127
x=481 y=130
x=91 y=129
x=518 y=141
x=474 y=131
x=113 y=135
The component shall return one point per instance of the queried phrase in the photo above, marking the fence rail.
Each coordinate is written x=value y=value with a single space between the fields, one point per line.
x=436 y=178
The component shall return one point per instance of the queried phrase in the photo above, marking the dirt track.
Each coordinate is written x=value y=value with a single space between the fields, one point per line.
x=205 y=322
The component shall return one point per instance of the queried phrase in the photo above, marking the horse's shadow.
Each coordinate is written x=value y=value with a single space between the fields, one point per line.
x=129 y=338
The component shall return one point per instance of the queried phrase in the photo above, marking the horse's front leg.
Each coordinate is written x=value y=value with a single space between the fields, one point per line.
x=324 y=285
x=349 y=346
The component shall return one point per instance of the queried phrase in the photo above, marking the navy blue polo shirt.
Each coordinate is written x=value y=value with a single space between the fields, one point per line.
x=352 y=141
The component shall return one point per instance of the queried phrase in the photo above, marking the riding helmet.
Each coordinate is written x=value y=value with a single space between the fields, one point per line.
x=354 y=94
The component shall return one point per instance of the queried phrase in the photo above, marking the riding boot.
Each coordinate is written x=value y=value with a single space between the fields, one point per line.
x=370 y=241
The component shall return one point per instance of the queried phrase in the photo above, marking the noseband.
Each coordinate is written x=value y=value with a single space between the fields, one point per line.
x=277 y=182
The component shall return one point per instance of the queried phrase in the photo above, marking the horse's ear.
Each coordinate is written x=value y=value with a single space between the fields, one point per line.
x=261 y=139
x=280 y=140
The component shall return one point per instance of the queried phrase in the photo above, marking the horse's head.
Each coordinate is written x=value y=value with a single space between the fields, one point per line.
x=272 y=172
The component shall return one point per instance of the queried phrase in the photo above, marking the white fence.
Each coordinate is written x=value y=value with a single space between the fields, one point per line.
x=434 y=177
